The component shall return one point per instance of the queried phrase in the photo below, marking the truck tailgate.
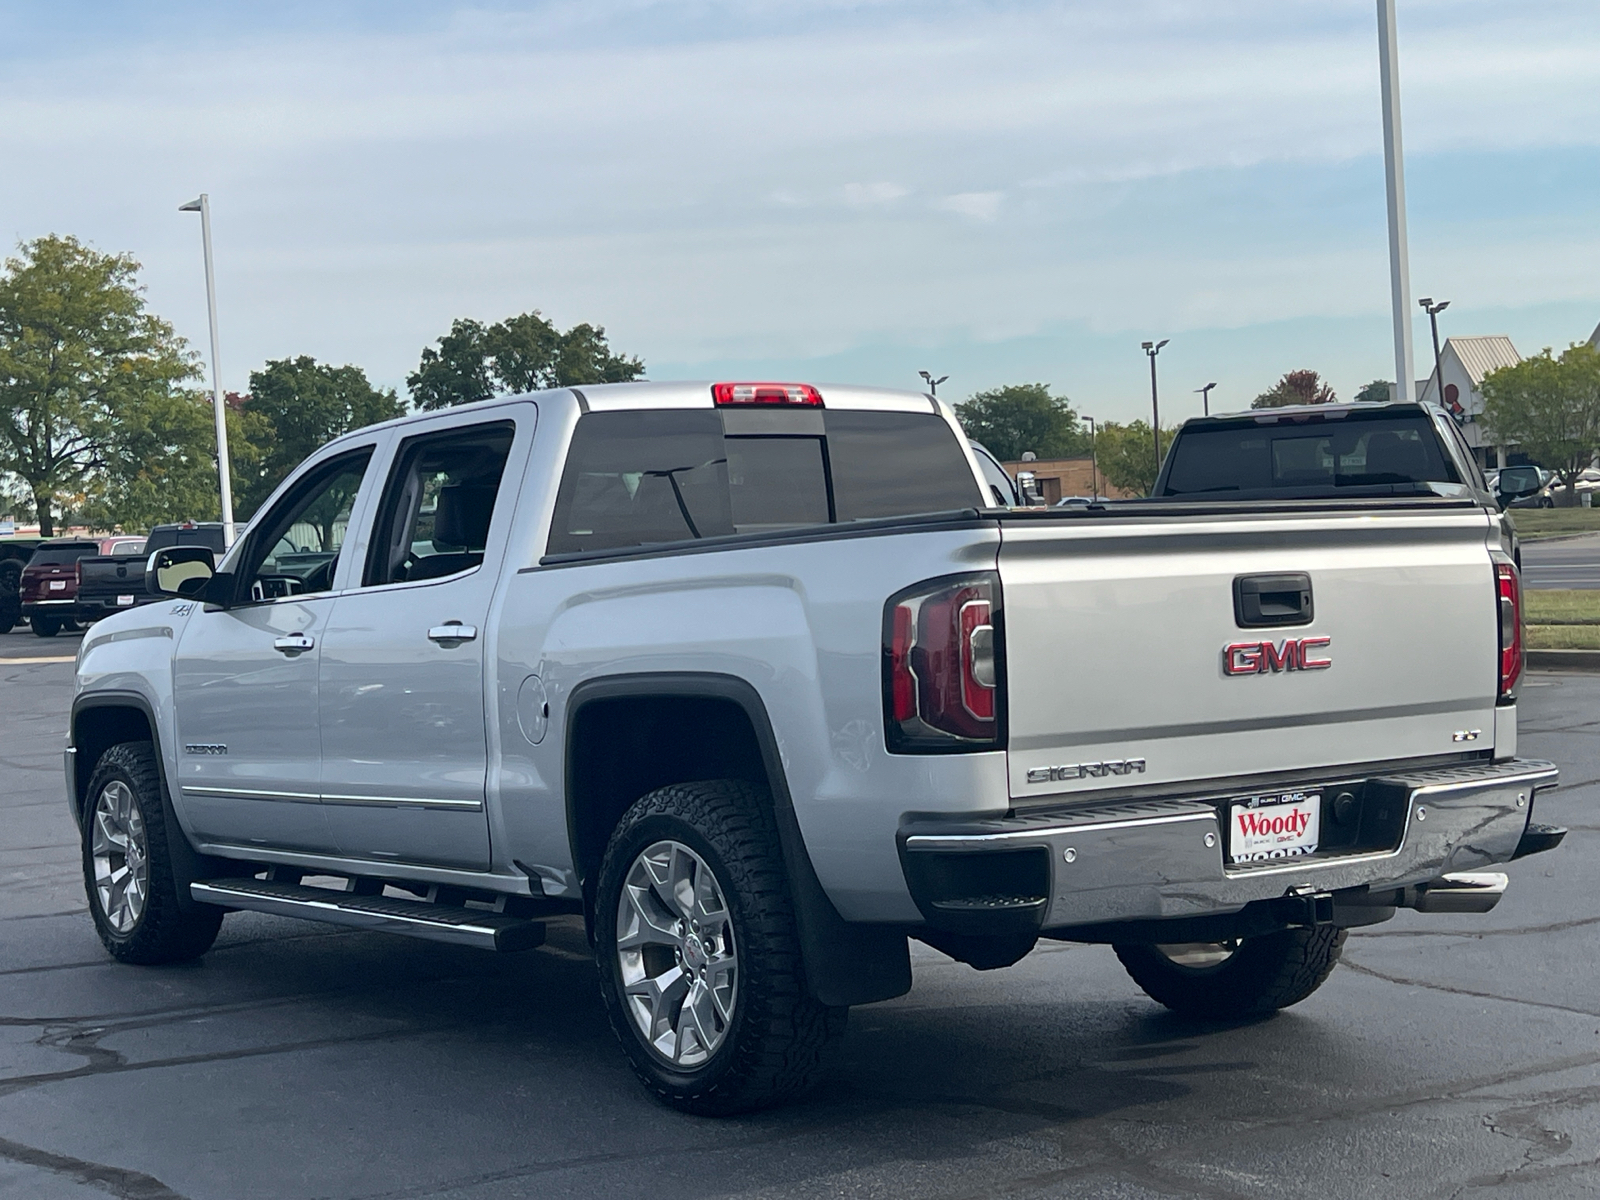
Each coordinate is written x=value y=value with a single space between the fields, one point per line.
x=1117 y=632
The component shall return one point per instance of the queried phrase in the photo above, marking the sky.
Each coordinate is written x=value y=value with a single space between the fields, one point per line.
x=833 y=191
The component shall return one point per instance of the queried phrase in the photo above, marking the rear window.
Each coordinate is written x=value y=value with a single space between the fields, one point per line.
x=1378 y=452
x=209 y=536
x=646 y=478
x=60 y=556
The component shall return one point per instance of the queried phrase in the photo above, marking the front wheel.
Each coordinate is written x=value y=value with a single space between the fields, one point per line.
x=699 y=955
x=127 y=868
x=1231 y=980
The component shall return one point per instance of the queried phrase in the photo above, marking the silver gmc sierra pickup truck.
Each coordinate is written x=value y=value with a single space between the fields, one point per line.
x=765 y=680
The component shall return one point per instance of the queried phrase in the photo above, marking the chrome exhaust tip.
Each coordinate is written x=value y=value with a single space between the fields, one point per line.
x=1464 y=892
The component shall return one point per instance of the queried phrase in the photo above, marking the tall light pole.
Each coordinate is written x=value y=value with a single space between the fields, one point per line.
x=224 y=475
x=1433 y=310
x=933 y=384
x=1395 y=189
x=1152 y=349
x=1205 y=397
x=1094 y=469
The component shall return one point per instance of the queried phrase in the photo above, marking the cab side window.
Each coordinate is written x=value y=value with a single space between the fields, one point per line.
x=295 y=548
x=440 y=498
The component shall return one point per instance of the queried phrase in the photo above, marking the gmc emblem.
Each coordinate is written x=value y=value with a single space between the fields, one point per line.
x=1291 y=654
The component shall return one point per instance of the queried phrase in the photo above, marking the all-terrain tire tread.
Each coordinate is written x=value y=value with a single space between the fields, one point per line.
x=786 y=1033
x=167 y=932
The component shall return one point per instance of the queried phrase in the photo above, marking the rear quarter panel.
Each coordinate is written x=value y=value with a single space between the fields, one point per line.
x=802 y=624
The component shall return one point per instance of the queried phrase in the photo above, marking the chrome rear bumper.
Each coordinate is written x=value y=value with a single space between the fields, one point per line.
x=1152 y=860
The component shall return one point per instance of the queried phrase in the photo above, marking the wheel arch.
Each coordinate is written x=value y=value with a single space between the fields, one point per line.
x=100 y=720
x=627 y=735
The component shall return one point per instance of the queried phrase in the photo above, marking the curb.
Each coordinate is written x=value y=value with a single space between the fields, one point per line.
x=1563 y=660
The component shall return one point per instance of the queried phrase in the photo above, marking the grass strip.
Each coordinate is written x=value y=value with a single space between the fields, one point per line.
x=1536 y=523
x=1561 y=606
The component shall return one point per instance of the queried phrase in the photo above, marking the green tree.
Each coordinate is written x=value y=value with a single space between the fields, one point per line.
x=521 y=354
x=79 y=358
x=158 y=463
x=1023 y=416
x=1126 y=455
x=1550 y=408
x=1296 y=387
x=1377 y=392
x=296 y=405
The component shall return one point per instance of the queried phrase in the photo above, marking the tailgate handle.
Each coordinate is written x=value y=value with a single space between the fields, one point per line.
x=1263 y=600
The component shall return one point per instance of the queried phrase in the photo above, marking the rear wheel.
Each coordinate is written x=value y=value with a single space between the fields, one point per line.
x=699 y=955
x=127 y=869
x=1241 y=978
x=45 y=626
x=10 y=599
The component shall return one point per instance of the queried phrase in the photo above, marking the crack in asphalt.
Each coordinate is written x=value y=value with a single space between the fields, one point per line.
x=118 y=1181
x=1460 y=991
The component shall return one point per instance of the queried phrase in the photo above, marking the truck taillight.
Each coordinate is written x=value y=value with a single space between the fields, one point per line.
x=1508 y=594
x=942 y=689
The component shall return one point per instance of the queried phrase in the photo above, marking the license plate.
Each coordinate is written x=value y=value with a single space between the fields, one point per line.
x=58 y=585
x=124 y=601
x=1281 y=825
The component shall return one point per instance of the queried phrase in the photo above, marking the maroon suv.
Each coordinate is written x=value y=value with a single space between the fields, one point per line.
x=50 y=584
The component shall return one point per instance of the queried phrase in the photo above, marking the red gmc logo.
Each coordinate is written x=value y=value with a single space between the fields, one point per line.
x=1291 y=654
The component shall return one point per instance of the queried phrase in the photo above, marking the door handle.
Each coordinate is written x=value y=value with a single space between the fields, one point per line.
x=295 y=643
x=452 y=632
x=1260 y=601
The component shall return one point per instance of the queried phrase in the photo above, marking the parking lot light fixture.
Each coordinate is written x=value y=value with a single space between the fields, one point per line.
x=1152 y=349
x=933 y=384
x=1205 y=397
x=1433 y=310
x=202 y=205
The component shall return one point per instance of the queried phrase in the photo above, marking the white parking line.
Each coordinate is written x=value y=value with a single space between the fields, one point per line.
x=34 y=661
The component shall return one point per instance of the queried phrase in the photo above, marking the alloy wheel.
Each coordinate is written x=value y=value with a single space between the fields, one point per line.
x=1198 y=956
x=677 y=964
x=121 y=866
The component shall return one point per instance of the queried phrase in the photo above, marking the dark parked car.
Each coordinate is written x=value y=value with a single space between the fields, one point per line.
x=113 y=580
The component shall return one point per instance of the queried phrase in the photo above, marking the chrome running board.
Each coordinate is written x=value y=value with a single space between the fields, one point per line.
x=414 y=918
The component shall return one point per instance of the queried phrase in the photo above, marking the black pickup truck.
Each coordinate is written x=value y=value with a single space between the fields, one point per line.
x=108 y=584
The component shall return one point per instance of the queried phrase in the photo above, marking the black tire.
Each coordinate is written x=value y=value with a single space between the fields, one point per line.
x=774 y=1043
x=1262 y=974
x=166 y=931
x=45 y=626
x=10 y=594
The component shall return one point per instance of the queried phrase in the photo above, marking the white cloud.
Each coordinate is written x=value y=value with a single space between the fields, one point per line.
x=980 y=206
x=872 y=195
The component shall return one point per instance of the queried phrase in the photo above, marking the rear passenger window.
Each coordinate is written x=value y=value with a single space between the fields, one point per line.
x=434 y=520
x=648 y=478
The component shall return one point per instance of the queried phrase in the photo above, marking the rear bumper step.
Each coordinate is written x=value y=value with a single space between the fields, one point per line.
x=414 y=918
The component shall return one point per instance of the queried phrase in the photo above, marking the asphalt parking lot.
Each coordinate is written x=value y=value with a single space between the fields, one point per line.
x=1450 y=1056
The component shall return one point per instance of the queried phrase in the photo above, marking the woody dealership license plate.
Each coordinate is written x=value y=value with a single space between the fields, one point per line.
x=1281 y=825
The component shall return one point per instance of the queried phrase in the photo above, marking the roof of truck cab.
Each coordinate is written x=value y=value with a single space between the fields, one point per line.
x=624 y=397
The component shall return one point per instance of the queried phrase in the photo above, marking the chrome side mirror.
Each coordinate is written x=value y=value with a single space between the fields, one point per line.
x=181 y=571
